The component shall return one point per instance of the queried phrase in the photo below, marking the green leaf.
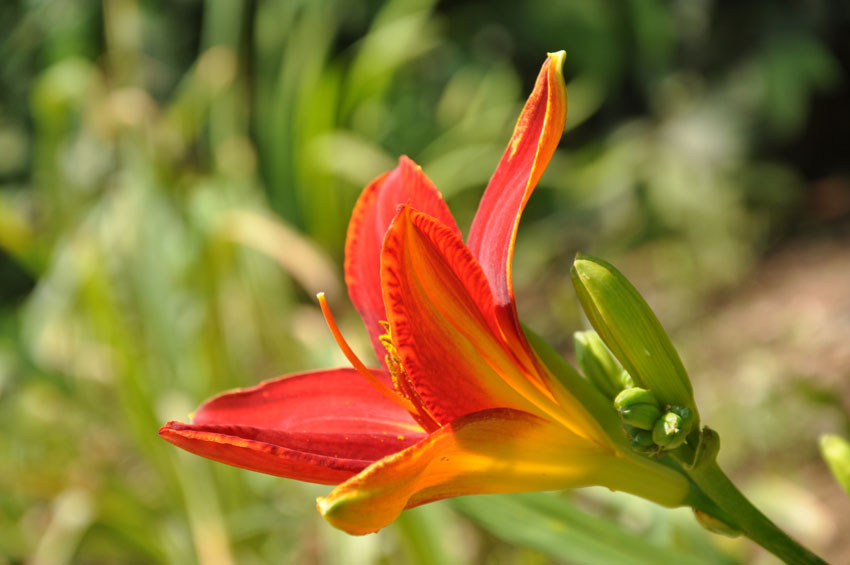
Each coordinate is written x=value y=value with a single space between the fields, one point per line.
x=554 y=526
x=836 y=453
x=631 y=331
x=429 y=534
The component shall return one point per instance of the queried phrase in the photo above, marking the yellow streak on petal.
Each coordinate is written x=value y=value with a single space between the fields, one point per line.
x=492 y=451
x=517 y=138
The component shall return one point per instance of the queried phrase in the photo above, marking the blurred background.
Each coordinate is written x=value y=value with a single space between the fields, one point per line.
x=175 y=185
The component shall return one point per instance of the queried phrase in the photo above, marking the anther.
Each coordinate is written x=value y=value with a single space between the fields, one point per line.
x=357 y=363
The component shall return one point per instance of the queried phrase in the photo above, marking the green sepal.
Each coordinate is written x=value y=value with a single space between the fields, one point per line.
x=598 y=365
x=836 y=452
x=632 y=332
x=707 y=449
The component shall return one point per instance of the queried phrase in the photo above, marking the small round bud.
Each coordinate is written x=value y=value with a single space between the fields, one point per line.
x=638 y=407
x=643 y=416
x=686 y=415
x=640 y=440
x=668 y=432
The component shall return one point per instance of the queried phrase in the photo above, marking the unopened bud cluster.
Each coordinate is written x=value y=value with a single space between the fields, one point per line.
x=649 y=425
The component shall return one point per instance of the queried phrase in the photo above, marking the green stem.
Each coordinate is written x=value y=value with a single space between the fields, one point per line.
x=755 y=525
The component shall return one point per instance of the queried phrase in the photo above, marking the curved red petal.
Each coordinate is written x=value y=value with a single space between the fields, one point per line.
x=334 y=400
x=443 y=324
x=321 y=426
x=372 y=215
x=326 y=458
x=537 y=133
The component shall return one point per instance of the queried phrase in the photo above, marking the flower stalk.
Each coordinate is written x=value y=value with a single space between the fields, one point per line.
x=712 y=481
x=634 y=335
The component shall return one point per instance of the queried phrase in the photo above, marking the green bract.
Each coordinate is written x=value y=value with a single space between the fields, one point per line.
x=631 y=331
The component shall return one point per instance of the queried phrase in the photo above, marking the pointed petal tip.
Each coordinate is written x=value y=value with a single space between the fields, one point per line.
x=557 y=59
x=325 y=506
x=405 y=161
x=170 y=429
x=535 y=138
x=333 y=510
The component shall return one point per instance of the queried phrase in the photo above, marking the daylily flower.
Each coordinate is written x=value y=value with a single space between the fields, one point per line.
x=462 y=403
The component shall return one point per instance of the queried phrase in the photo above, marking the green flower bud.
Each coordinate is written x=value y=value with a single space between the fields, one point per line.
x=686 y=416
x=643 y=416
x=668 y=432
x=631 y=331
x=597 y=363
x=638 y=407
x=640 y=440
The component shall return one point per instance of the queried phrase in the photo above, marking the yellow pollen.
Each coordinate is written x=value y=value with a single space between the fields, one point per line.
x=392 y=359
x=357 y=363
x=401 y=383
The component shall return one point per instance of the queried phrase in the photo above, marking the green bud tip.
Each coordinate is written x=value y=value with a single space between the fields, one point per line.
x=686 y=415
x=668 y=432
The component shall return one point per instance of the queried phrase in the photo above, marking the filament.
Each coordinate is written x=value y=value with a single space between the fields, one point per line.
x=357 y=363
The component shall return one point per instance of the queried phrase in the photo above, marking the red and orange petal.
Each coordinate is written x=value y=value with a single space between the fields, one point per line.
x=372 y=215
x=332 y=400
x=441 y=313
x=534 y=140
x=325 y=458
x=320 y=427
x=492 y=451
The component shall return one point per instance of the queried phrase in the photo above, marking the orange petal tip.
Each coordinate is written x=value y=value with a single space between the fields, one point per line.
x=558 y=59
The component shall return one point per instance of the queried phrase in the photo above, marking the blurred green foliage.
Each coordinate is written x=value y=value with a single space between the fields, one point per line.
x=175 y=184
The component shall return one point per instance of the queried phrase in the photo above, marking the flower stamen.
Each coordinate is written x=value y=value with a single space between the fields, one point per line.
x=357 y=363
x=401 y=382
